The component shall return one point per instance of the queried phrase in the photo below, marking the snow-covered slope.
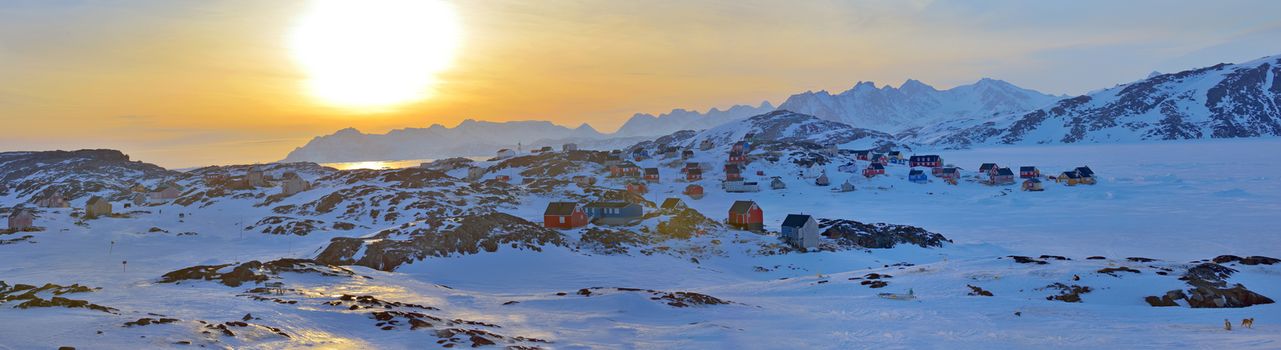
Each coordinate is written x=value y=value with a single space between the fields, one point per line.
x=469 y=138
x=76 y=175
x=781 y=126
x=1221 y=101
x=915 y=104
x=643 y=124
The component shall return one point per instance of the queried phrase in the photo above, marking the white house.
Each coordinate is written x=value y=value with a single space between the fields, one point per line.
x=800 y=231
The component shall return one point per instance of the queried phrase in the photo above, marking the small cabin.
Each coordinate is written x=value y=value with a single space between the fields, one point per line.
x=917 y=176
x=694 y=174
x=1001 y=176
x=1070 y=178
x=21 y=219
x=1033 y=184
x=564 y=215
x=505 y=153
x=640 y=154
x=863 y=154
x=740 y=186
x=822 y=180
x=545 y=149
x=503 y=178
x=694 y=191
x=255 y=178
x=1029 y=172
x=896 y=157
x=637 y=187
x=292 y=184
x=687 y=154
x=1087 y=175
x=950 y=173
x=845 y=187
x=874 y=169
x=706 y=145
x=926 y=161
x=801 y=231
x=614 y=213
x=97 y=206
x=670 y=152
x=651 y=174
x=742 y=147
x=569 y=147
x=777 y=183
x=54 y=200
x=987 y=168
x=831 y=150
x=746 y=215
x=139 y=199
x=673 y=203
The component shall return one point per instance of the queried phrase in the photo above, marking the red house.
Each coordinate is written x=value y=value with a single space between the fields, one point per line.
x=738 y=157
x=503 y=178
x=637 y=188
x=929 y=161
x=693 y=174
x=746 y=215
x=1029 y=172
x=879 y=159
x=564 y=215
x=863 y=155
x=651 y=174
x=624 y=170
x=873 y=170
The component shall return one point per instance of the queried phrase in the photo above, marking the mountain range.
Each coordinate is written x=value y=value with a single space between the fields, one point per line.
x=1220 y=101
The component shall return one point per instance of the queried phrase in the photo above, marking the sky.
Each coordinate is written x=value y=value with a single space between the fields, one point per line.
x=190 y=83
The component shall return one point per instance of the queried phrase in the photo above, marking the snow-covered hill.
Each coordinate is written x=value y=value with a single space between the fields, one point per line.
x=643 y=124
x=781 y=126
x=76 y=175
x=915 y=104
x=1221 y=101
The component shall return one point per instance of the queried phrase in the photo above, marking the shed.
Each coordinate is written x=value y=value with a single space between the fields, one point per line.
x=694 y=191
x=987 y=168
x=1001 y=176
x=651 y=174
x=21 y=219
x=917 y=176
x=1033 y=184
x=777 y=183
x=97 y=206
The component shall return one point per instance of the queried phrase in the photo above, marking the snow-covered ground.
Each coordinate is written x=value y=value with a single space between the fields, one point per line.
x=1175 y=202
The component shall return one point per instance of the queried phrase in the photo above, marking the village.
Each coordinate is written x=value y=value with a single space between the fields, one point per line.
x=623 y=168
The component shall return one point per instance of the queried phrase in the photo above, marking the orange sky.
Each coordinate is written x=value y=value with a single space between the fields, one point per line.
x=211 y=82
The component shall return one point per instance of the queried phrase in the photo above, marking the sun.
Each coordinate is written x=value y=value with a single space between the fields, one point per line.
x=374 y=54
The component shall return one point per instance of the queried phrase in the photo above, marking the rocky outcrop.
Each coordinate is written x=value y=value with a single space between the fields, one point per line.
x=1210 y=289
x=440 y=237
x=879 y=235
x=251 y=272
x=29 y=296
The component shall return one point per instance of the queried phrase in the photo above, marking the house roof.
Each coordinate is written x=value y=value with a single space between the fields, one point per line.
x=1027 y=168
x=671 y=203
x=560 y=208
x=987 y=166
x=896 y=153
x=96 y=199
x=742 y=207
x=734 y=170
x=876 y=166
x=1071 y=174
x=609 y=204
x=862 y=152
x=925 y=158
x=915 y=172
x=651 y=171
x=694 y=171
x=1033 y=180
x=1085 y=171
x=796 y=220
x=1004 y=172
x=949 y=170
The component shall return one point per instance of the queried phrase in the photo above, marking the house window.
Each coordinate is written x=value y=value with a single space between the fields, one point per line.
x=562 y=219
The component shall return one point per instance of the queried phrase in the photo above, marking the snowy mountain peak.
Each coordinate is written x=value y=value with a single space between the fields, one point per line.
x=642 y=124
x=915 y=104
x=1220 y=101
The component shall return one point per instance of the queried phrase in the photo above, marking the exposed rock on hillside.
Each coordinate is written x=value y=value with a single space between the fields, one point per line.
x=879 y=235
x=437 y=237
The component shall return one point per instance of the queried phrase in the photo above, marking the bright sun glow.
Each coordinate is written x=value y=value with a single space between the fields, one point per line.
x=374 y=54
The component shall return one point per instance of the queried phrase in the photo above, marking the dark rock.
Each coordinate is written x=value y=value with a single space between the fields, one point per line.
x=1026 y=260
x=1096 y=257
x=879 y=235
x=977 y=291
x=1113 y=270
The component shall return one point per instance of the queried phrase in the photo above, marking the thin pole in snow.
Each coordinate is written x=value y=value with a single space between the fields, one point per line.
x=110 y=247
x=124 y=264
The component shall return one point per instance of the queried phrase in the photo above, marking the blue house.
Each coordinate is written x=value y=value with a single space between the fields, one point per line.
x=917 y=176
x=614 y=213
